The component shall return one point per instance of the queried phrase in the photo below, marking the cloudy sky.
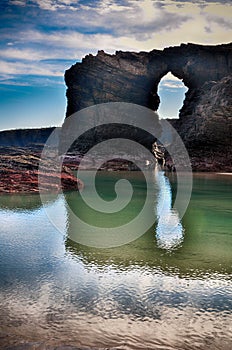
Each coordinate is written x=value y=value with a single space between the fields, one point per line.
x=42 y=38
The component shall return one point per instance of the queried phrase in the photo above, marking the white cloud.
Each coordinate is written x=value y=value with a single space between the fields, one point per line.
x=54 y=5
x=24 y=54
x=137 y=25
x=18 y=2
x=170 y=77
x=35 y=80
x=107 y=6
x=134 y=19
x=170 y=82
x=139 y=19
x=134 y=26
x=172 y=85
x=75 y=42
x=20 y=68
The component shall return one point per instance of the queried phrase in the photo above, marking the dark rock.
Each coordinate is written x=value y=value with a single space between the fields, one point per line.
x=19 y=171
x=205 y=118
x=134 y=77
x=25 y=137
x=207 y=132
x=212 y=115
x=123 y=77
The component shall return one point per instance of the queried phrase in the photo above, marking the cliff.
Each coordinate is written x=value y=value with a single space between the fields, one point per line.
x=19 y=171
x=20 y=152
x=24 y=137
x=205 y=118
x=207 y=130
x=134 y=77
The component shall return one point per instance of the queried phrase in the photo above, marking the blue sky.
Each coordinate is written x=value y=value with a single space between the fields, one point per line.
x=42 y=38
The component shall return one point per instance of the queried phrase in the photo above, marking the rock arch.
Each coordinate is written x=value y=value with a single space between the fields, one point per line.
x=134 y=77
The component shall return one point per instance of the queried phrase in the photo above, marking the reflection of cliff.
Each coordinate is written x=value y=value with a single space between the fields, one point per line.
x=195 y=252
x=134 y=77
x=24 y=202
x=194 y=258
x=20 y=203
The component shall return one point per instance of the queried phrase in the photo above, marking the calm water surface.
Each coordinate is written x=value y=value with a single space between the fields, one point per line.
x=162 y=291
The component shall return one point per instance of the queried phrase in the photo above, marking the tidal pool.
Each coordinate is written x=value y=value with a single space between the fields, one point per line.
x=168 y=289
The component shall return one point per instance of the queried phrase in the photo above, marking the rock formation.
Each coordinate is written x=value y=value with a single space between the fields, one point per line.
x=19 y=171
x=25 y=137
x=207 y=131
x=205 y=118
x=20 y=152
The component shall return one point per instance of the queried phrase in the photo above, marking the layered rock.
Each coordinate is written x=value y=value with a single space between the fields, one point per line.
x=20 y=172
x=207 y=131
x=123 y=77
x=211 y=119
x=20 y=156
x=25 y=137
x=134 y=77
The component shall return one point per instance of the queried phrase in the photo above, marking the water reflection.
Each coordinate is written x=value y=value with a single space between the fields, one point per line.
x=200 y=245
x=90 y=226
x=24 y=202
x=169 y=230
x=131 y=297
x=16 y=202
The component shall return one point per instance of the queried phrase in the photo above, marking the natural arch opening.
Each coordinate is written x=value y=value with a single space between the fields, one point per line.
x=171 y=91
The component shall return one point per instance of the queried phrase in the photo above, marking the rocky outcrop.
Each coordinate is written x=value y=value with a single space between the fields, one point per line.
x=134 y=77
x=205 y=118
x=123 y=77
x=207 y=131
x=19 y=171
x=210 y=120
x=20 y=152
x=25 y=137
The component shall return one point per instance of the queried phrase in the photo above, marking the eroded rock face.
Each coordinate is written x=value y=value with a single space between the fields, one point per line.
x=134 y=77
x=19 y=171
x=207 y=132
x=123 y=77
x=211 y=119
x=205 y=118
x=25 y=137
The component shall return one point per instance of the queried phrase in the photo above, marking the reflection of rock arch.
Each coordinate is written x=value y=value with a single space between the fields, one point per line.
x=16 y=202
x=194 y=257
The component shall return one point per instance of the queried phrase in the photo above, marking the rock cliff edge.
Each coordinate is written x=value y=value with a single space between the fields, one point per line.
x=205 y=120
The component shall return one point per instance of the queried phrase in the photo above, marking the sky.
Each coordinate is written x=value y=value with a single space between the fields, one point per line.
x=40 y=39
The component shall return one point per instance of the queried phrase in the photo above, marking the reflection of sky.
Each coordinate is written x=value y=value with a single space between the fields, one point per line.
x=169 y=230
x=51 y=288
x=33 y=254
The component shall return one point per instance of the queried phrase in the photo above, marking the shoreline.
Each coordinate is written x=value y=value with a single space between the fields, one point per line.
x=19 y=170
x=224 y=173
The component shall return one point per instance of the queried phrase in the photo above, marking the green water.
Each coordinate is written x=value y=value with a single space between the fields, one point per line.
x=160 y=291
